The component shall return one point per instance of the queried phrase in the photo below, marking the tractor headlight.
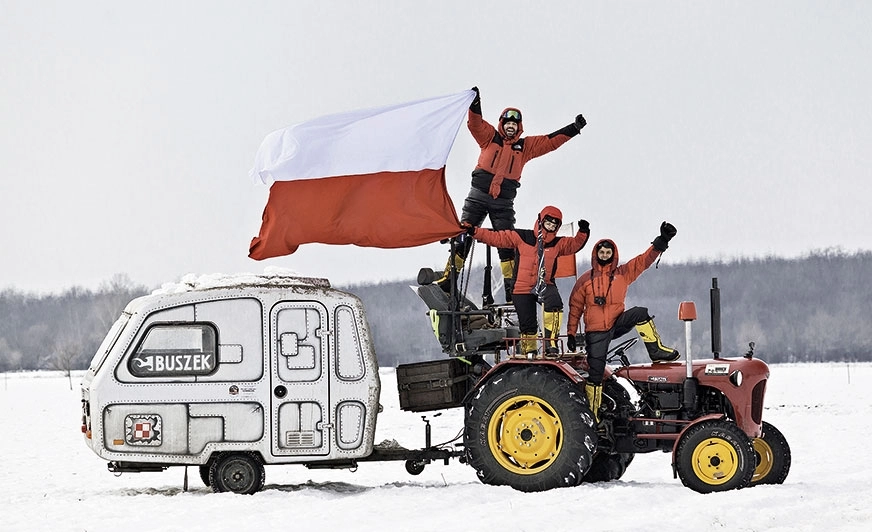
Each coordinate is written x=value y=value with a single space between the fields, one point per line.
x=736 y=378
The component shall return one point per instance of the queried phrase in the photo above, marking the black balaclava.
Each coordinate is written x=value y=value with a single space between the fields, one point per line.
x=607 y=245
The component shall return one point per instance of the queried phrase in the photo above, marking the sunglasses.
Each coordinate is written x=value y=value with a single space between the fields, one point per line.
x=512 y=114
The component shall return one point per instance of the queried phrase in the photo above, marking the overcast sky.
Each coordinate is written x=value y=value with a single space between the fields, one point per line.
x=128 y=128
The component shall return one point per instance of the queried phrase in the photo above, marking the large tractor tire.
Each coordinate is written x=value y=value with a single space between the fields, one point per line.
x=608 y=466
x=530 y=428
x=237 y=472
x=715 y=456
x=773 y=457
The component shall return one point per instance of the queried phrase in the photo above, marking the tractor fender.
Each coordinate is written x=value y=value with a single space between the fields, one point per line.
x=507 y=365
x=707 y=417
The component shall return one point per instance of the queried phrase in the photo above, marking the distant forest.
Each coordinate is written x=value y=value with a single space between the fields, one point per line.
x=810 y=309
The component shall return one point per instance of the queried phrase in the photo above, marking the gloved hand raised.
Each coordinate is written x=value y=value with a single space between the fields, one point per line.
x=667 y=231
x=467 y=228
x=583 y=226
x=476 y=102
x=580 y=122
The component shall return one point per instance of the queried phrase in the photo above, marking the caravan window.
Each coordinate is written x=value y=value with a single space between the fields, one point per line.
x=183 y=349
x=109 y=342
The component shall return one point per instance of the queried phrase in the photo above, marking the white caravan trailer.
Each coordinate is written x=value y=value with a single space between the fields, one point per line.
x=248 y=371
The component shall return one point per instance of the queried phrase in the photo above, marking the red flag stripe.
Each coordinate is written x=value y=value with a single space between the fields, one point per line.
x=385 y=210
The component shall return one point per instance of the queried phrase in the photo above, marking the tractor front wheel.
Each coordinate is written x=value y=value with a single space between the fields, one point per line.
x=530 y=428
x=773 y=457
x=715 y=456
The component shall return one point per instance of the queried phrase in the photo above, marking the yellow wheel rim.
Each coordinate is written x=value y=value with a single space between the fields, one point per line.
x=765 y=458
x=525 y=435
x=715 y=461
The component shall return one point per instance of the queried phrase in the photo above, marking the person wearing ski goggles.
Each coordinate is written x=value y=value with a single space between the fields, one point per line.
x=497 y=177
x=537 y=253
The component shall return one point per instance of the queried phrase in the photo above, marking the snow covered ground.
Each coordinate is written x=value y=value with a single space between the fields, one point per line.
x=51 y=481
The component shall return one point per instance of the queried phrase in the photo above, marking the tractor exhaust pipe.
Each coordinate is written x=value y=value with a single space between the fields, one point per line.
x=715 y=294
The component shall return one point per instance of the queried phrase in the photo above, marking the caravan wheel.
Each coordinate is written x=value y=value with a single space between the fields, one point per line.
x=237 y=472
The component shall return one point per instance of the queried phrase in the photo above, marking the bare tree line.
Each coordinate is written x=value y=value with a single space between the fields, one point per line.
x=810 y=309
x=59 y=331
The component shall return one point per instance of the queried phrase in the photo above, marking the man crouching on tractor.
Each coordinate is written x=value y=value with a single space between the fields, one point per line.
x=599 y=295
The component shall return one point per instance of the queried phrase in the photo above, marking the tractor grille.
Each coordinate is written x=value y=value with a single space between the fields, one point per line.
x=757 y=396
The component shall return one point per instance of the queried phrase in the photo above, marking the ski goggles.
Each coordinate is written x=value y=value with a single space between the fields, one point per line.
x=511 y=114
x=550 y=220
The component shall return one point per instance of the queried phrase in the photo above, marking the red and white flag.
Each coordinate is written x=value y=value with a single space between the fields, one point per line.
x=566 y=263
x=373 y=177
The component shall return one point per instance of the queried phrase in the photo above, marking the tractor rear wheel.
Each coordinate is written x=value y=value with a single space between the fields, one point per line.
x=715 y=456
x=773 y=457
x=530 y=428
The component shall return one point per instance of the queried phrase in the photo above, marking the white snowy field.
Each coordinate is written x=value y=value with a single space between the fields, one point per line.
x=51 y=481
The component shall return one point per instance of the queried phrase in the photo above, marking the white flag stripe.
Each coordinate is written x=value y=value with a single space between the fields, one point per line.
x=405 y=137
x=567 y=229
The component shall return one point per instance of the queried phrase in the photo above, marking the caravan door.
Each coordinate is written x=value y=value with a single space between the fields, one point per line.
x=300 y=379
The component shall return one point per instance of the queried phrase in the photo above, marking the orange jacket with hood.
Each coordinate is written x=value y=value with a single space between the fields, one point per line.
x=525 y=242
x=609 y=281
x=498 y=171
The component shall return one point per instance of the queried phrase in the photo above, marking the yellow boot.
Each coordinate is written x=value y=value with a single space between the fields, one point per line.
x=594 y=394
x=444 y=282
x=656 y=350
x=552 y=329
x=527 y=347
x=508 y=269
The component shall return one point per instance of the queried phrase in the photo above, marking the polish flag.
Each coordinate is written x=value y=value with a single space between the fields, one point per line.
x=566 y=263
x=373 y=178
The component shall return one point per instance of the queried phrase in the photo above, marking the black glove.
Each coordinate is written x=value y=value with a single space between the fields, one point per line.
x=580 y=122
x=468 y=228
x=574 y=340
x=667 y=231
x=476 y=102
x=583 y=226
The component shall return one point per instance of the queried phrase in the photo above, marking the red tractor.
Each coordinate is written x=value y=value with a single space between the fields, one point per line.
x=528 y=424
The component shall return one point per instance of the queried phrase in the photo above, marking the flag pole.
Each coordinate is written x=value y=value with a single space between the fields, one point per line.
x=540 y=286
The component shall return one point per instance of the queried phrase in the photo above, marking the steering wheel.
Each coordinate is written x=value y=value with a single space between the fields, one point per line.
x=619 y=351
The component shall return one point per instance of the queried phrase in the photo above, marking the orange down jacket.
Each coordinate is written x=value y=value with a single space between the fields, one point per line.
x=524 y=241
x=609 y=281
x=498 y=171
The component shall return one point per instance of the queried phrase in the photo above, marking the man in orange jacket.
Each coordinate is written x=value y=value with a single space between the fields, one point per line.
x=497 y=176
x=598 y=296
x=537 y=262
